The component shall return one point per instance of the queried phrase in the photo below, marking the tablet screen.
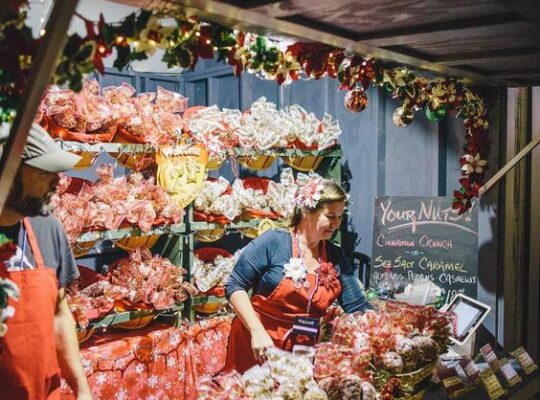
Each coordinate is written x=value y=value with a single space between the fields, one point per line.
x=469 y=314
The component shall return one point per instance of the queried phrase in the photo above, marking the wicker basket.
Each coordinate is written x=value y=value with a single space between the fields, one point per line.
x=304 y=164
x=136 y=162
x=257 y=163
x=87 y=159
x=211 y=307
x=214 y=163
x=83 y=336
x=250 y=233
x=81 y=249
x=417 y=380
x=209 y=235
x=142 y=318
x=133 y=243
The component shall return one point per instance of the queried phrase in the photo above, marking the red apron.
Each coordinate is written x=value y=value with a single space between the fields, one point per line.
x=28 y=364
x=276 y=313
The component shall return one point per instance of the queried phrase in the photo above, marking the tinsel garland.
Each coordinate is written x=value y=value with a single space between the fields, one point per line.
x=138 y=36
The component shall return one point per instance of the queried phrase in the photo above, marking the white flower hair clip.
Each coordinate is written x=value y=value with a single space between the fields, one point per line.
x=309 y=192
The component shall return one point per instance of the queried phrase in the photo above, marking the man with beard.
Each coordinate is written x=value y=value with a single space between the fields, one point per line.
x=41 y=342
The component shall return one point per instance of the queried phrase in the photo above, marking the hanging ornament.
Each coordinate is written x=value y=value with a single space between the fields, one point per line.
x=356 y=100
x=402 y=116
x=435 y=115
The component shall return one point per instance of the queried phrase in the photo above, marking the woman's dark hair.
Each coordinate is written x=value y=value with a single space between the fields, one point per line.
x=331 y=193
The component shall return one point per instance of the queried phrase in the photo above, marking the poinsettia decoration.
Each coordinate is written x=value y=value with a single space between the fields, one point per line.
x=329 y=278
x=140 y=34
x=8 y=289
x=7 y=248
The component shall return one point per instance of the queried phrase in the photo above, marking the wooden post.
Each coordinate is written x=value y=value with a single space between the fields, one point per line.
x=40 y=77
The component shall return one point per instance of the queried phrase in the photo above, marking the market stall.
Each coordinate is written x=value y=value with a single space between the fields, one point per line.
x=154 y=199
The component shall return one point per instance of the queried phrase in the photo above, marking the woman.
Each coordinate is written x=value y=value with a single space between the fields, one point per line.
x=293 y=275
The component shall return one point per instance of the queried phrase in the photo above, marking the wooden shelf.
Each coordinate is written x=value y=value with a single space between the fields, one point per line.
x=129 y=232
x=196 y=300
x=202 y=226
x=170 y=229
x=117 y=318
x=232 y=152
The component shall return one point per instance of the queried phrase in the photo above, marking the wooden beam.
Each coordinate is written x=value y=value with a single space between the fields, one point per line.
x=45 y=60
x=515 y=72
x=252 y=3
x=436 y=31
x=494 y=56
x=255 y=22
x=511 y=164
x=320 y=26
x=527 y=8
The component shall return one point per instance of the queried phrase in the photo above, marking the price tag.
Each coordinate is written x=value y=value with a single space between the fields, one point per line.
x=470 y=369
x=490 y=357
x=306 y=326
x=525 y=360
x=452 y=383
x=492 y=385
x=509 y=373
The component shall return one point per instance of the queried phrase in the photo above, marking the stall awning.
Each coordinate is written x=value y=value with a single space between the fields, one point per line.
x=490 y=41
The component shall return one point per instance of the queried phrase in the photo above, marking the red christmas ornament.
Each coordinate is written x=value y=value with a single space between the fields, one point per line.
x=356 y=100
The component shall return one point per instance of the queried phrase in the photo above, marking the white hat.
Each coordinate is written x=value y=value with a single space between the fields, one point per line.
x=42 y=152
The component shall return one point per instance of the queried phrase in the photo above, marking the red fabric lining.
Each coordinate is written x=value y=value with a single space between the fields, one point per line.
x=56 y=131
x=123 y=135
x=159 y=361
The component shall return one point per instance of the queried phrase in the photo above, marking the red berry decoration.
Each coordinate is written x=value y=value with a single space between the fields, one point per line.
x=356 y=100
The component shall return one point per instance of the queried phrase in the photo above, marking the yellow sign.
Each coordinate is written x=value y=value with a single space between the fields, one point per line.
x=182 y=171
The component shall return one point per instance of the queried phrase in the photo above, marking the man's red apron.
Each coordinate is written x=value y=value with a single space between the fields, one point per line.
x=277 y=312
x=28 y=364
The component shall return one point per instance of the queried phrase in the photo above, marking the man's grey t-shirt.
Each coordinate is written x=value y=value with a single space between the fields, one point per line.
x=52 y=242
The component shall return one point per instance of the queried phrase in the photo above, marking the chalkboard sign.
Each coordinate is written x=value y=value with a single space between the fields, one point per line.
x=423 y=238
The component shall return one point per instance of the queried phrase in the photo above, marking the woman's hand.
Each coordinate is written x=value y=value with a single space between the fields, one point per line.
x=260 y=341
x=332 y=313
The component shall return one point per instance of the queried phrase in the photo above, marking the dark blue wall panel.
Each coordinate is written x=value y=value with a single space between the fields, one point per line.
x=411 y=156
x=224 y=91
